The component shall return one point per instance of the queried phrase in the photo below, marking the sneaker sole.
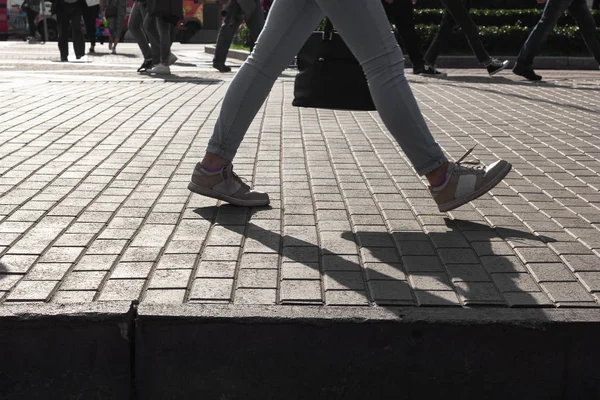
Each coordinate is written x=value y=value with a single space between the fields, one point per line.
x=478 y=193
x=220 y=196
x=500 y=69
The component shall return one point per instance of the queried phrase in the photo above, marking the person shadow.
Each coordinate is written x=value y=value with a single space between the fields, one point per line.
x=465 y=264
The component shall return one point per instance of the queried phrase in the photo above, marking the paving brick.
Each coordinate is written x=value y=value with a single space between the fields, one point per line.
x=581 y=263
x=566 y=291
x=515 y=282
x=258 y=278
x=536 y=254
x=8 y=281
x=333 y=262
x=100 y=246
x=502 y=264
x=529 y=299
x=591 y=280
x=74 y=296
x=342 y=280
x=375 y=254
x=255 y=296
x=467 y=273
x=436 y=298
x=478 y=293
x=141 y=254
x=164 y=296
x=121 y=290
x=62 y=254
x=390 y=292
x=346 y=298
x=458 y=256
x=95 y=263
x=170 y=279
x=263 y=260
x=46 y=272
x=416 y=248
x=17 y=263
x=551 y=272
x=86 y=280
x=293 y=270
x=293 y=291
x=429 y=281
x=492 y=248
x=300 y=254
x=216 y=269
x=422 y=264
x=211 y=289
x=32 y=291
x=384 y=271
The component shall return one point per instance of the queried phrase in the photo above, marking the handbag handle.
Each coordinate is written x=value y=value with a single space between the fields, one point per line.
x=328 y=30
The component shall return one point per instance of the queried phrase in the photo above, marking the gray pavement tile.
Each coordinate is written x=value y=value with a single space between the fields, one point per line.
x=264 y=260
x=32 y=291
x=478 y=293
x=257 y=278
x=169 y=279
x=255 y=296
x=591 y=280
x=346 y=298
x=164 y=296
x=44 y=272
x=121 y=290
x=170 y=261
x=17 y=263
x=293 y=270
x=536 y=254
x=303 y=291
x=390 y=292
x=580 y=263
x=73 y=296
x=436 y=298
x=334 y=262
x=343 y=280
x=95 y=262
x=85 y=280
x=527 y=299
x=211 y=289
x=566 y=291
x=515 y=282
x=429 y=281
x=551 y=272
x=216 y=269
x=8 y=281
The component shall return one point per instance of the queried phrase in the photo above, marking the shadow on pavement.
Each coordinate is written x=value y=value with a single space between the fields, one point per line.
x=482 y=270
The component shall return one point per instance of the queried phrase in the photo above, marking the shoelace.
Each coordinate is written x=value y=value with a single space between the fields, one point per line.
x=469 y=167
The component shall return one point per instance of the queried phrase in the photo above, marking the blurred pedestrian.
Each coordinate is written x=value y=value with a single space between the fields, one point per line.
x=235 y=12
x=32 y=9
x=90 y=13
x=68 y=16
x=114 y=11
x=364 y=28
x=160 y=24
x=457 y=11
x=400 y=13
x=553 y=10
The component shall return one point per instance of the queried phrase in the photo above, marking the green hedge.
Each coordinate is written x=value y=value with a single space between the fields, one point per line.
x=524 y=17
x=507 y=40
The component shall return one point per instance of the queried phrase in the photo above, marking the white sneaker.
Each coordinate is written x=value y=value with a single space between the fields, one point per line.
x=172 y=59
x=161 y=69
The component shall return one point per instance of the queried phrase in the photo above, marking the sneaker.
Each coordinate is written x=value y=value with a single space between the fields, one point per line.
x=221 y=67
x=114 y=50
x=494 y=66
x=172 y=59
x=92 y=50
x=160 y=69
x=146 y=66
x=227 y=186
x=432 y=71
x=527 y=73
x=467 y=181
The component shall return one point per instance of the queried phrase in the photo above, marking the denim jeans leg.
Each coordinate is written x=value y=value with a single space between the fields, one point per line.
x=291 y=22
x=383 y=63
x=552 y=12
x=580 y=11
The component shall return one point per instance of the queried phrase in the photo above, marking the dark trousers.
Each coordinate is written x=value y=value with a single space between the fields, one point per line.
x=69 y=18
x=161 y=33
x=89 y=18
x=456 y=11
x=553 y=10
x=31 y=15
x=400 y=13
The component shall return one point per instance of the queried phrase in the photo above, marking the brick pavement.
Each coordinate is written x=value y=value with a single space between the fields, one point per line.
x=95 y=159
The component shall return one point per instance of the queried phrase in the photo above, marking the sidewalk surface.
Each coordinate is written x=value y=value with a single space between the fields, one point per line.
x=94 y=205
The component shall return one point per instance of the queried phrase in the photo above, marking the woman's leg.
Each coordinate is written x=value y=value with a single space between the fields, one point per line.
x=381 y=58
x=165 y=29
x=587 y=26
x=31 y=22
x=288 y=25
x=136 y=21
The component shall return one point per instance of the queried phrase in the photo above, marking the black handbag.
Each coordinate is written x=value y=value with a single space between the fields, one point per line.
x=329 y=75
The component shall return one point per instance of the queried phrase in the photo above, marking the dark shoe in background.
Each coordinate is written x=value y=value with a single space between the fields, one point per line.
x=527 y=73
x=221 y=67
x=146 y=66
x=494 y=66
x=432 y=71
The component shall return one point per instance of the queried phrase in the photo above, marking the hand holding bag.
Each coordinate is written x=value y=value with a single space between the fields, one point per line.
x=329 y=75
